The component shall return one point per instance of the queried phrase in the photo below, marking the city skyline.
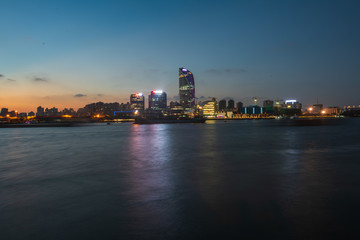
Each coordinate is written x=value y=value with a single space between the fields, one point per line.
x=68 y=54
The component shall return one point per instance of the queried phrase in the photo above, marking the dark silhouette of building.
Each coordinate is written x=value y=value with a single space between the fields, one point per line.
x=268 y=104
x=222 y=105
x=186 y=88
x=231 y=105
x=69 y=111
x=40 y=112
x=4 y=112
x=100 y=108
x=51 y=112
x=239 y=106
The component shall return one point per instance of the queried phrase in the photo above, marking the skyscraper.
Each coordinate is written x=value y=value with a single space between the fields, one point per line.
x=268 y=104
x=137 y=101
x=186 y=88
x=40 y=112
x=222 y=104
x=157 y=100
x=231 y=104
x=239 y=106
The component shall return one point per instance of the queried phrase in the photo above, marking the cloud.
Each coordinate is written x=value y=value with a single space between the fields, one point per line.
x=79 y=95
x=40 y=79
x=9 y=79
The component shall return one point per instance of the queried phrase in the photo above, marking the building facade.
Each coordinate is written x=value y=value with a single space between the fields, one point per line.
x=293 y=104
x=137 y=102
x=209 y=108
x=268 y=103
x=253 y=109
x=40 y=112
x=157 y=100
x=239 y=107
x=186 y=88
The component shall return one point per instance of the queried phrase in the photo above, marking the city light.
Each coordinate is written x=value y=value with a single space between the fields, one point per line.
x=323 y=111
x=138 y=94
x=290 y=101
x=157 y=91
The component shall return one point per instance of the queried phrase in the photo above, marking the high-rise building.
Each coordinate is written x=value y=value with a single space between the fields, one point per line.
x=186 y=88
x=231 y=104
x=40 y=112
x=51 y=112
x=268 y=104
x=239 y=106
x=222 y=105
x=137 y=101
x=4 y=111
x=157 y=100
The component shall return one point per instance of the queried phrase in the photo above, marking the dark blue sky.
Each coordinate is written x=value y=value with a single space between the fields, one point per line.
x=51 y=51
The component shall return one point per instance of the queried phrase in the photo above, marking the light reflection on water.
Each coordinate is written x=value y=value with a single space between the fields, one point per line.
x=222 y=179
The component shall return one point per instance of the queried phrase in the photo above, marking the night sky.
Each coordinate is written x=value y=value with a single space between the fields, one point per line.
x=69 y=53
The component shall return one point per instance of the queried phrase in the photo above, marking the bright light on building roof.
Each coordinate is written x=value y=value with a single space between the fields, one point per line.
x=158 y=91
x=184 y=70
x=139 y=94
x=290 y=101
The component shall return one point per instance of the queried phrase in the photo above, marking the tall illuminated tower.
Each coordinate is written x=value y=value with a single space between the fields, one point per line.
x=186 y=88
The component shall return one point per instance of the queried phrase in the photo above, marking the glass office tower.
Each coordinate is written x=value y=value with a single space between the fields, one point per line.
x=186 y=88
x=137 y=101
x=157 y=100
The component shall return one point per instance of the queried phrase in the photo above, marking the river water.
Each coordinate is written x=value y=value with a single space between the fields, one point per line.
x=225 y=180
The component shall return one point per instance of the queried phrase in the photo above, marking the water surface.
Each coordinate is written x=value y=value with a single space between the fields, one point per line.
x=235 y=179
